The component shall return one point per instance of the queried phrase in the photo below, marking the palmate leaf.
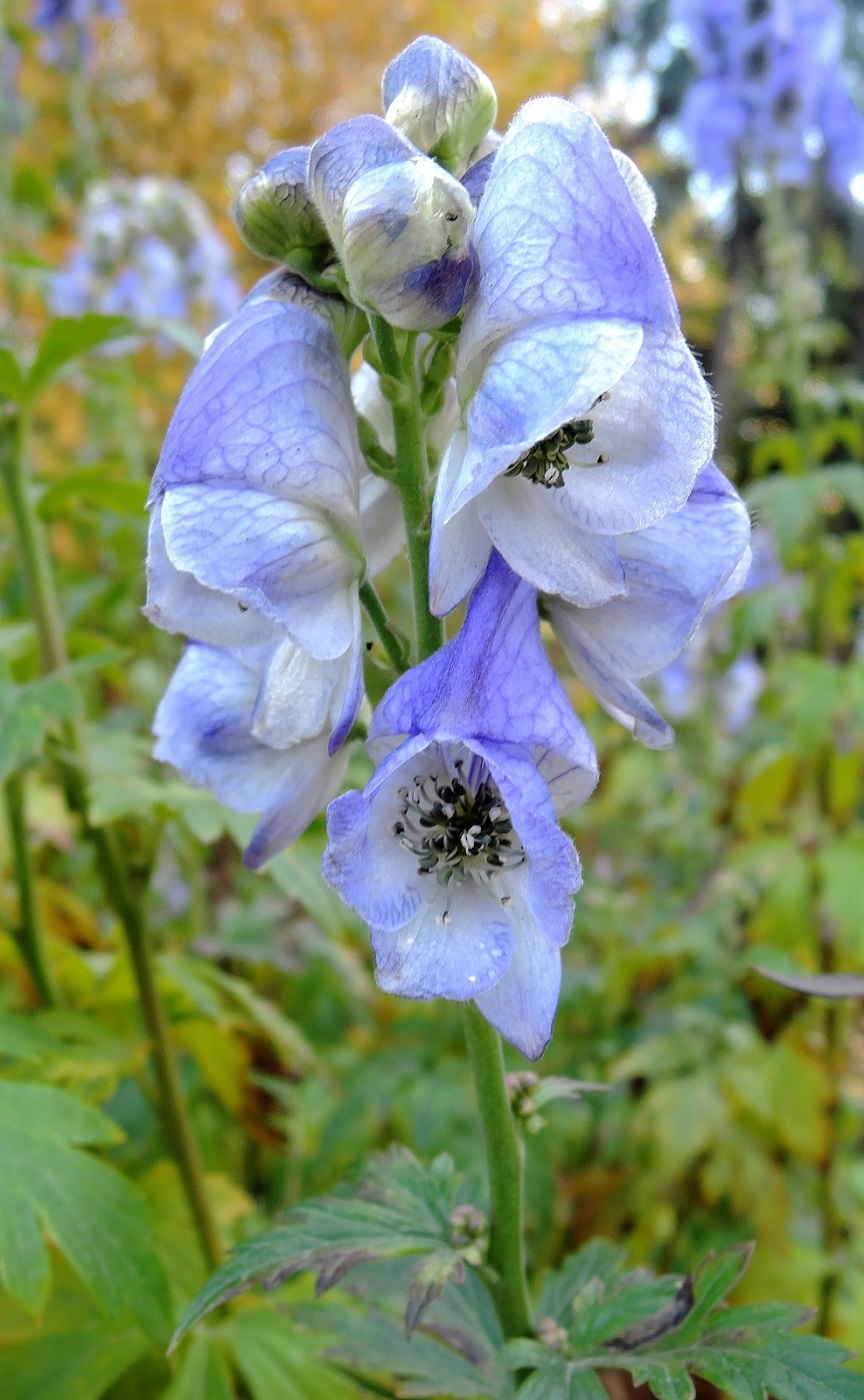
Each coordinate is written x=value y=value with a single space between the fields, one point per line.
x=399 y=1208
x=26 y=714
x=93 y=1214
x=750 y=1353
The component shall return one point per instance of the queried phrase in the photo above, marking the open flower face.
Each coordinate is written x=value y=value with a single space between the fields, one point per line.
x=453 y=852
x=585 y=414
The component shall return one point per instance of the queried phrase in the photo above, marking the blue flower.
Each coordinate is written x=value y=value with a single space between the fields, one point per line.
x=769 y=93
x=252 y=725
x=398 y=221
x=71 y=20
x=256 y=553
x=146 y=248
x=674 y=572
x=586 y=415
x=453 y=853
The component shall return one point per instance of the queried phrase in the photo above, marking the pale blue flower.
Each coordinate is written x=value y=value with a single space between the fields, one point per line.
x=453 y=853
x=398 y=221
x=68 y=25
x=674 y=572
x=769 y=95
x=585 y=414
x=146 y=249
x=252 y=725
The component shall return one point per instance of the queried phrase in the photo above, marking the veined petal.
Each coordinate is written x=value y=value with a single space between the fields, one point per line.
x=558 y=233
x=522 y=1005
x=298 y=696
x=458 y=959
x=311 y=778
x=271 y=554
x=269 y=406
x=618 y=695
x=653 y=434
x=458 y=555
x=177 y=602
x=493 y=680
x=526 y=526
x=541 y=377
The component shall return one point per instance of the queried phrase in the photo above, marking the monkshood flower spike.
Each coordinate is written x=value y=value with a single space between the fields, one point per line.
x=453 y=853
x=585 y=414
x=674 y=571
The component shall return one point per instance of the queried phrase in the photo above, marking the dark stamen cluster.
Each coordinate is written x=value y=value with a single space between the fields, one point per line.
x=545 y=462
x=455 y=832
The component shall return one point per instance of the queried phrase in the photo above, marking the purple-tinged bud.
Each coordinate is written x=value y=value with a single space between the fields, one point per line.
x=398 y=222
x=276 y=216
x=439 y=99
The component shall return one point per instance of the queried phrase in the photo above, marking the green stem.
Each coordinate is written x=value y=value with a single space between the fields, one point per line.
x=504 y=1156
x=28 y=934
x=120 y=887
x=378 y=617
x=412 y=480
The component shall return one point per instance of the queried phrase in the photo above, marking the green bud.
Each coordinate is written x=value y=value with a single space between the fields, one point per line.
x=439 y=99
x=276 y=216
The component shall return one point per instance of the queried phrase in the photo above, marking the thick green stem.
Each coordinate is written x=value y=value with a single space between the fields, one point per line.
x=505 y=1165
x=412 y=480
x=28 y=933
x=378 y=617
x=120 y=888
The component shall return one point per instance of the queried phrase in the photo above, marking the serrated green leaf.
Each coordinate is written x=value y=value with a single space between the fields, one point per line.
x=278 y=1362
x=716 y=1277
x=597 y=1259
x=669 y=1383
x=94 y=1215
x=400 y=1209
x=27 y=712
x=67 y=338
x=375 y=1344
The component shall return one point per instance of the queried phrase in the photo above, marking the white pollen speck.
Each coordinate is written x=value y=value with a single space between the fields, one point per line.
x=472 y=979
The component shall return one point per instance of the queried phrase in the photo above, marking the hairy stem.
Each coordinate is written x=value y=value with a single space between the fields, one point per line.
x=28 y=933
x=412 y=479
x=505 y=1165
x=121 y=889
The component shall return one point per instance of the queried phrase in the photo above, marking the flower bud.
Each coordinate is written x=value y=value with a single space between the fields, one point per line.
x=399 y=223
x=439 y=99
x=276 y=217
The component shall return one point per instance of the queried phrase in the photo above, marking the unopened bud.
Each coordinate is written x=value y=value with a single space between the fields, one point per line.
x=439 y=99
x=398 y=222
x=276 y=216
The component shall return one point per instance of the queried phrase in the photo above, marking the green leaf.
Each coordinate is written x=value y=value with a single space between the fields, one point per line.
x=597 y=1259
x=375 y=1344
x=835 y=986
x=69 y=337
x=27 y=712
x=204 y=1373
x=11 y=378
x=279 y=1362
x=94 y=1215
x=400 y=1209
x=92 y=486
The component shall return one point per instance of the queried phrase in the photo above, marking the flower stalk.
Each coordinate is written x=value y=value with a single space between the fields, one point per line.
x=28 y=932
x=504 y=1151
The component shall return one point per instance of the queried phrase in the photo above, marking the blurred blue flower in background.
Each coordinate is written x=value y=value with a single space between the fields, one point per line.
x=67 y=25
x=769 y=93
x=146 y=248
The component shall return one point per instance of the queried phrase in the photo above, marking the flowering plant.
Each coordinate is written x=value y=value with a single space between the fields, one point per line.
x=523 y=391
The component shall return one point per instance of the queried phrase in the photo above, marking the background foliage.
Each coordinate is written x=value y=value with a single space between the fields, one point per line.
x=734 y=1108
